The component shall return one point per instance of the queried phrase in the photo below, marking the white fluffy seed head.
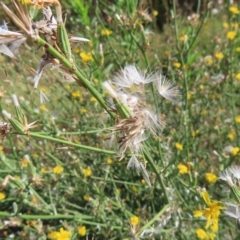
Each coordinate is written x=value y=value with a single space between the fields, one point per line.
x=166 y=88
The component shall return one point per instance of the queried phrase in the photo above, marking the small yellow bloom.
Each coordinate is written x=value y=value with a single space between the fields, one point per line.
x=61 y=235
x=82 y=231
x=58 y=169
x=83 y=110
x=2 y=196
x=234 y=25
x=26 y=2
x=195 y=133
x=225 y=25
x=67 y=87
x=238 y=49
x=237 y=76
x=219 y=55
x=155 y=13
x=231 y=35
x=24 y=162
x=106 y=32
x=179 y=146
x=86 y=57
x=237 y=119
x=231 y=135
x=134 y=188
x=53 y=235
x=143 y=182
x=183 y=169
x=204 y=112
x=76 y=50
x=211 y=212
x=118 y=191
x=87 y=172
x=183 y=38
x=202 y=235
x=43 y=108
x=76 y=94
x=177 y=64
x=86 y=197
x=35 y=155
x=234 y=151
x=189 y=96
x=109 y=160
x=208 y=60
x=234 y=10
x=134 y=220
x=43 y=170
x=93 y=99
x=211 y=178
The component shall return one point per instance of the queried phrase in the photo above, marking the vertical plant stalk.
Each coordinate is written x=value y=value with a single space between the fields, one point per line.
x=183 y=118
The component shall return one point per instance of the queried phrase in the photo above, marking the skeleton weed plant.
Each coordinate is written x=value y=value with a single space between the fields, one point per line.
x=134 y=116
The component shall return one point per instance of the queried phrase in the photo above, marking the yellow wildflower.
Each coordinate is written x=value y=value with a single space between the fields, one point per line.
x=208 y=60
x=204 y=112
x=134 y=220
x=61 y=235
x=67 y=86
x=201 y=234
x=86 y=197
x=238 y=49
x=155 y=13
x=24 y=162
x=237 y=76
x=179 y=146
x=231 y=35
x=87 y=172
x=134 y=188
x=237 y=119
x=234 y=10
x=106 y=32
x=176 y=64
x=93 y=99
x=35 y=155
x=26 y=2
x=82 y=231
x=58 y=169
x=43 y=108
x=234 y=25
x=189 y=96
x=211 y=213
x=219 y=55
x=231 y=135
x=76 y=94
x=118 y=191
x=86 y=57
x=225 y=25
x=83 y=110
x=2 y=196
x=183 y=38
x=183 y=169
x=195 y=133
x=43 y=170
x=109 y=160
x=234 y=151
x=211 y=178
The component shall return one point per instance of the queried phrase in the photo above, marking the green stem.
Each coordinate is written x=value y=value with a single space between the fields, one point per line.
x=152 y=164
x=32 y=134
x=72 y=68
